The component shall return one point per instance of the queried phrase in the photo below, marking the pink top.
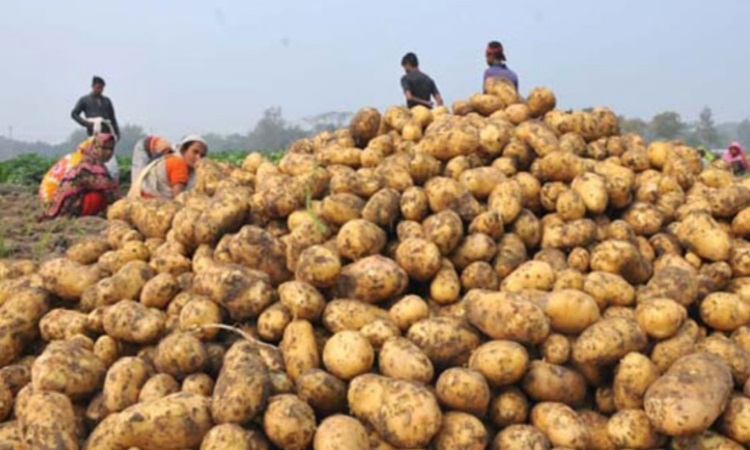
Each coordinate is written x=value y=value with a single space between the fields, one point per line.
x=740 y=157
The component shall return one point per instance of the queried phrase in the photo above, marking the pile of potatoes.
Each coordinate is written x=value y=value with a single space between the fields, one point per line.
x=504 y=276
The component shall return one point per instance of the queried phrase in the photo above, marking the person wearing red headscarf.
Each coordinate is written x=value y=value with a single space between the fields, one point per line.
x=495 y=55
x=86 y=188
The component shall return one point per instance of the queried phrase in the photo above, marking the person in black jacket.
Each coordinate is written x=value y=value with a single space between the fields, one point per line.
x=418 y=87
x=96 y=105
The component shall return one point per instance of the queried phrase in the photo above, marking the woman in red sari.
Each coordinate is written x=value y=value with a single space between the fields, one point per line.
x=86 y=188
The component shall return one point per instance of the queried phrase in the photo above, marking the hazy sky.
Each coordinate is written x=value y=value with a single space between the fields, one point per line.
x=184 y=66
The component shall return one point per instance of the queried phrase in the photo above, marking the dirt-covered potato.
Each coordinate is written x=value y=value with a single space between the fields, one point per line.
x=68 y=279
x=700 y=233
x=197 y=316
x=318 y=266
x=419 y=258
x=553 y=383
x=406 y=414
x=724 y=311
x=348 y=354
x=229 y=436
x=323 y=391
x=299 y=348
x=87 y=251
x=180 y=354
x=633 y=376
x=503 y=315
x=608 y=340
x=399 y=358
x=445 y=229
x=445 y=340
x=158 y=386
x=530 y=275
x=341 y=432
x=502 y=363
x=123 y=383
x=461 y=430
x=243 y=386
x=445 y=288
x=289 y=422
x=244 y=292
x=630 y=428
x=408 y=311
x=372 y=279
x=463 y=390
x=520 y=437
x=360 y=238
x=199 y=384
x=159 y=291
x=62 y=323
x=48 y=422
x=685 y=401
x=69 y=368
x=130 y=321
x=560 y=424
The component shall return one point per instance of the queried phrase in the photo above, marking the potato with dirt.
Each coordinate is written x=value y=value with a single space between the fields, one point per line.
x=69 y=368
x=445 y=340
x=289 y=422
x=123 y=383
x=68 y=279
x=690 y=396
x=608 y=340
x=700 y=233
x=180 y=354
x=244 y=292
x=48 y=422
x=463 y=390
x=360 y=238
x=552 y=383
x=130 y=321
x=399 y=358
x=560 y=424
x=229 y=436
x=243 y=386
x=461 y=431
x=299 y=348
x=341 y=432
x=373 y=279
x=504 y=315
x=318 y=266
x=125 y=284
x=323 y=391
x=405 y=414
x=348 y=354
x=501 y=362
x=633 y=376
x=630 y=428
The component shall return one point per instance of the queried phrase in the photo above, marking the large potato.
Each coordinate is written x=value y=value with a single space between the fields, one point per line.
x=399 y=358
x=633 y=376
x=372 y=279
x=341 y=432
x=500 y=362
x=130 y=321
x=502 y=315
x=570 y=311
x=348 y=354
x=48 y=422
x=445 y=340
x=420 y=258
x=69 y=368
x=360 y=238
x=562 y=426
x=630 y=428
x=323 y=391
x=608 y=340
x=243 y=386
x=244 y=292
x=552 y=383
x=123 y=383
x=461 y=431
x=690 y=396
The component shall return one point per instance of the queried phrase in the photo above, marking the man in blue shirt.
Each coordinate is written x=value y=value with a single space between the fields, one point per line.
x=496 y=61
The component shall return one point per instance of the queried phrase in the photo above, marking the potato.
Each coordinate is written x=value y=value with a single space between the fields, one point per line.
x=289 y=422
x=87 y=251
x=419 y=258
x=464 y=390
x=700 y=233
x=413 y=204
x=341 y=432
x=126 y=284
x=408 y=311
x=379 y=331
x=630 y=428
x=299 y=349
x=687 y=401
x=608 y=340
x=14 y=377
x=556 y=349
x=592 y=189
x=461 y=431
x=401 y=359
x=530 y=275
x=633 y=376
x=196 y=316
x=405 y=414
x=158 y=386
x=552 y=383
x=318 y=266
x=229 y=436
x=302 y=300
x=69 y=368
x=180 y=354
x=68 y=279
x=474 y=247
x=705 y=441
x=660 y=318
x=724 y=311
x=678 y=283
x=383 y=207
x=372 y=279
x=243 y=386
x=503 y=315
x=160 y=424
x=123 y=383
x=733 y=421
x=607 y=288
x=62 y=324
x=507 y=199
x=348 y=354
x=598 y=432
x=445 y=340
x=666 y=352
x=130 y=321
x=199 y=384
x=500 y=362
x=445 y=288
x=359 y=238
x=562 y=426
x=323 y=391
x=559 y=304
x=48 y=422
x=736 y=357
x=509 y=407
x=245 y=293
x=518 y=437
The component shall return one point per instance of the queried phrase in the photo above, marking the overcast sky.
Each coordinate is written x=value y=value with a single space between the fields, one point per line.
x=184 y=66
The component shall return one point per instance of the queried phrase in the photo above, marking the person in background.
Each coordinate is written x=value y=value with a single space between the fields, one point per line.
x=495 y=55
x=419 y=88
x=707 y=156
x=147 y=150
x=735 y=157
x=96 y=105
x=172 y=174
x=79 y=184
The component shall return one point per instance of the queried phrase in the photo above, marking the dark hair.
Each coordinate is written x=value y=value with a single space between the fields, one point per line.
x=98 y=80
x=410 y=59
x=495 y=48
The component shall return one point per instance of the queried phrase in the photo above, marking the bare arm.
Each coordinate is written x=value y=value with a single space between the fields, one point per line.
x=177 y=189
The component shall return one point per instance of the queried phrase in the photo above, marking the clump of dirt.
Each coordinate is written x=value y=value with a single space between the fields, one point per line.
x=23 y=235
